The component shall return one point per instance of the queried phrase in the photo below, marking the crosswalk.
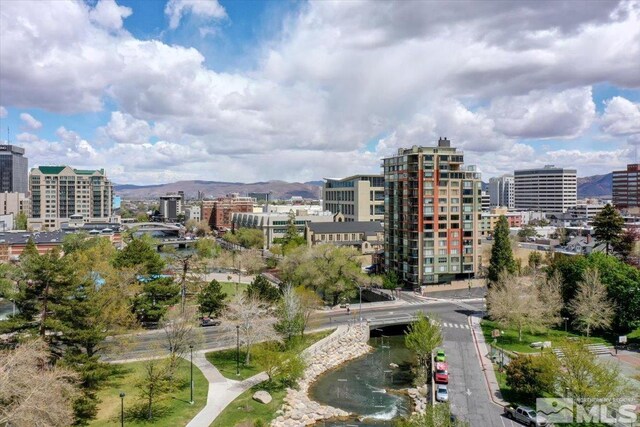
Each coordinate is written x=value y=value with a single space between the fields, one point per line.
x=454 y=325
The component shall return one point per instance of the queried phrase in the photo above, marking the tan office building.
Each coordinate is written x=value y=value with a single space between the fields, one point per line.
x=60 y=193
x=358 y=197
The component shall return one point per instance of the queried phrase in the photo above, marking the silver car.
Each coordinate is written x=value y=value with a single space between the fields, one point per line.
x=442 y=394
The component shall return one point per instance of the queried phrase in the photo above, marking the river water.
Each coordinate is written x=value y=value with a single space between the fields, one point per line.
x=6 y=308
x=368 y=386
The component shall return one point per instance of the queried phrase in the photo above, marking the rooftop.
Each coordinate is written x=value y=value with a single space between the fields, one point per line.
x=368 y=227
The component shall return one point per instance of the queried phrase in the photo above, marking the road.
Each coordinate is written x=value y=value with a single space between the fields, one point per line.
x=468 y=391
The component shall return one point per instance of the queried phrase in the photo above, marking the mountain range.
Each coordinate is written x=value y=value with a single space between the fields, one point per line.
x=590 y=186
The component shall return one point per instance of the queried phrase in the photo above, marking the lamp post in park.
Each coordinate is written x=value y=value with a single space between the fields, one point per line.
x=122 y=408
x=238 y=350
x=191 y=383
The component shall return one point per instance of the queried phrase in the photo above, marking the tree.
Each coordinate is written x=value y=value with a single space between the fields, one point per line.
x=516 y=302
x=585 y=378
x=155 y=383
x=283 y=367
x=390 y=280
x=156 y=297
x=264 y=290
x=253 y=321
x=422 y=337
x=626 y=244
x=292 y=239
x=309 y=302
x=607 y=226
x=73 y=242
x=289 y=314
x=140 y=253
x=211 y=299
x=246 y=237
x=207 y=248
x=591 y=306
x=30 y=250
x=21 y=221
x=434 y=416
x=332 y=271
x=33 y=392
x=535 y=260
x=180 y=333
x=526 y=232
x=501 y=253
x=532 y=376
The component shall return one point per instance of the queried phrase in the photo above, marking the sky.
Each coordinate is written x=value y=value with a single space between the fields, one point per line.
x=247 y=91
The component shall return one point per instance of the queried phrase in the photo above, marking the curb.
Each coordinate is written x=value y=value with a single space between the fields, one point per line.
x=482 y=365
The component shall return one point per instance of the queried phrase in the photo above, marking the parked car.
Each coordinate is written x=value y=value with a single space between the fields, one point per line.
x=442 y=393
x=525 y=415
x=442 y=373
x=440 y=356
x=207 y=321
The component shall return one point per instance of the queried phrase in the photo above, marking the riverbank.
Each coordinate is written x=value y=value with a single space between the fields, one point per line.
x=346 y=343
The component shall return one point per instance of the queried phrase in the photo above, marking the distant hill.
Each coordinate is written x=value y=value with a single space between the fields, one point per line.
x=595 y=186
x=279 y=189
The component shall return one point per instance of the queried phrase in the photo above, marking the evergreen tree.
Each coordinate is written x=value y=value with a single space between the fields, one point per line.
x=264 y=290
x=211 y=299
x=501 y=253
x=157 y=296
x=30 y=250
x=607 y=226
x=21 y=221
x=140 y=253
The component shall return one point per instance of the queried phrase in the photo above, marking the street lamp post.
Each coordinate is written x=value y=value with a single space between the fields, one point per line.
x=565 y=323
x=191 y=351
x=122 y=408
x=238 y=350
x=239 y=268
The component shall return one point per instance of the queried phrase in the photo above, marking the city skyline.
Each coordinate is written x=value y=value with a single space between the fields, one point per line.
x=253 y=91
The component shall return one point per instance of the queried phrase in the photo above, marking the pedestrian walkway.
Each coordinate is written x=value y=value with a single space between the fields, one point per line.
x=484 y=355
x=222 y=391
x=454 y=325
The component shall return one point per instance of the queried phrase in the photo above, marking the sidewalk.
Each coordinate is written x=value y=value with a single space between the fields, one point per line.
x=485 y=362
x=222 y=391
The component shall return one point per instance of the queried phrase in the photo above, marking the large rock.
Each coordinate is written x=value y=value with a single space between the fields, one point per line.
x=262 y=397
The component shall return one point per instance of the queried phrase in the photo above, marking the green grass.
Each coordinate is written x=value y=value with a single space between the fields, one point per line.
x=509 y=340
x=244 y=410
x=229 y=288
x=174 y=409
x=225 y=360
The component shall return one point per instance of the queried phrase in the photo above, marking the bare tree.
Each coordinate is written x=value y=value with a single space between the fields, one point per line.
x=289 y=313
x=550 y=294
x=516 y=302
x=591 y=306
x=180 y=331
x=154 y=383
x=309 y=303
x=253 y=319
x=32 y=392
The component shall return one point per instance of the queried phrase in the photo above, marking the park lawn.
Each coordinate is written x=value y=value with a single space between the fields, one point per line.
x=229 y=288
x=245 y=410
x=225 y=360
x=509 y=340
x=634 y=336
x=176 y=410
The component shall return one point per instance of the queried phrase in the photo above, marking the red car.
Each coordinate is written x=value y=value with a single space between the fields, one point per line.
x=442 y=373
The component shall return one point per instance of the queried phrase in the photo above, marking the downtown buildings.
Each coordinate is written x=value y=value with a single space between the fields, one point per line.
x=13 y=170
x=432 y=215
x=358 y=197
x=626 y=187
x=502 y=192
x=549 y=189
x=61 y=193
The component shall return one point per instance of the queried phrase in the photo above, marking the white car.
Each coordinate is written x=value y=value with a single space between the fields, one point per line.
x=442 y=394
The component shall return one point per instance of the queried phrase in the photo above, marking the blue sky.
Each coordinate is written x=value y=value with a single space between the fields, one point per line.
x=157 y=91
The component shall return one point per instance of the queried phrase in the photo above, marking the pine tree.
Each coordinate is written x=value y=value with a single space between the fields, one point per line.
x=607 y=226
x=211 y=299
x=501 y=253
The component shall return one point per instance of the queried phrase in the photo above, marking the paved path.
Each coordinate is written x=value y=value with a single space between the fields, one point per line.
x=484 y=354
x=222 y=391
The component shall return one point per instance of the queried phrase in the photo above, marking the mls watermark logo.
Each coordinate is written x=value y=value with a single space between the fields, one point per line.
x=565 y=411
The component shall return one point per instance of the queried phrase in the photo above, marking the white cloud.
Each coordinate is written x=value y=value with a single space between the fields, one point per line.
x=175 y=9
x=544 y=114
x=621 y=117
x=125 y=129
x=30 y=122
x=109 y=15
x=3 y=112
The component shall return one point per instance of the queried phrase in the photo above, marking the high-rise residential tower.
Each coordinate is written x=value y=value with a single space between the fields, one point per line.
x=60 y=192
x=357 y=198
x=502 y=191
x=548 y=189
x=432 y=215
x=13 y=170
x=626 y=187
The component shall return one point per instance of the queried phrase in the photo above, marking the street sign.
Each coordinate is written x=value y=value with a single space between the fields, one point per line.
x=622 y=339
